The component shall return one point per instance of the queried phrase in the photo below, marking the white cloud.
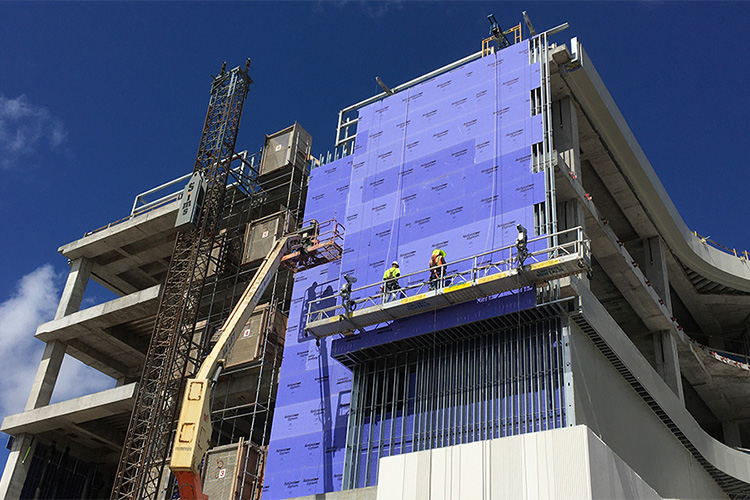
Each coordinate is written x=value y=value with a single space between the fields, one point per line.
x=77 y=379
x=33 y=302
x=26 y=130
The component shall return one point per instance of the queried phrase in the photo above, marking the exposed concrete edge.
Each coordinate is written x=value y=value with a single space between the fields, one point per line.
x=47 y=331
x=688 y=348
x=727 y=460
x=89 y=407
x=712 y=263
x=75 y=249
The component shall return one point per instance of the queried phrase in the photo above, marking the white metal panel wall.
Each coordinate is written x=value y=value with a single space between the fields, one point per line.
x=569 y=463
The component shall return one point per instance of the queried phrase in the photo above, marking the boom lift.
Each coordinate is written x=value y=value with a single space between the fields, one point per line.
x=304 y=249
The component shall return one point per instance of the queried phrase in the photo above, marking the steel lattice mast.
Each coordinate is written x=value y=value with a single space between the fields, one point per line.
x=148 y=439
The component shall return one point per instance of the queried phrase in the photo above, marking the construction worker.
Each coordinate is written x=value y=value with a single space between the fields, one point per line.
x=437 y=268
x=390 y=277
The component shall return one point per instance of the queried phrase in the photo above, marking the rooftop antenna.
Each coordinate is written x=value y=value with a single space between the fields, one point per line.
x=497 y=32
x=526 y=19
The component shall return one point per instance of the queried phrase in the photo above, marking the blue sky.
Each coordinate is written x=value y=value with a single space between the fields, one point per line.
x=101 y=101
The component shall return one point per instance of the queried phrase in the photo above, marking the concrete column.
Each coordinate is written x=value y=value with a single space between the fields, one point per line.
x=17 y=467
x=665 y=345
x=565 y=133
x=75 y=286
x=46 y=375
x=731 y=433
x=570 y=214
x=716 y=342
x=668 y=361
x=655 y=268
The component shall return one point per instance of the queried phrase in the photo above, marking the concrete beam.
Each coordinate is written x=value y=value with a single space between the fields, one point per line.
x=105 y=362
x=632 y=284
x=615 y=259
x=643 y=184
x=118 y=252
x=152 y=223
x=685 y=291
x=99 y=433
x=102 y=336
x=123 y=309
x=72 y=412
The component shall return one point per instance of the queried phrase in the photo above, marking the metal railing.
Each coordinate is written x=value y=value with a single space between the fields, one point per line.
x=330 y=232
x=248 y=168
x=706 y=240
x=728 y=357
x=488 y=48
x=245 y=173
x=462 y=272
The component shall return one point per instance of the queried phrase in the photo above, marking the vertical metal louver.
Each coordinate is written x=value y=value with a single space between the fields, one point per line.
x=501 y=384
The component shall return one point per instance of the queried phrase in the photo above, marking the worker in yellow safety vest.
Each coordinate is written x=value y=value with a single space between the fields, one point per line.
x=437 y=268
x=390 y=277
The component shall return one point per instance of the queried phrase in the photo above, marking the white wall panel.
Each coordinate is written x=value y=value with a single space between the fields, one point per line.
x=506 y=468
x=391 y=477
x=570 y=463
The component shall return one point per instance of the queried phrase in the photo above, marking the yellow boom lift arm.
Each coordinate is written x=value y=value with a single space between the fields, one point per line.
x=314 y=244
x=194 y=425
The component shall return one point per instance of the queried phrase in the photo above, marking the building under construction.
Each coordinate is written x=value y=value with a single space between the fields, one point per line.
x=580 y=341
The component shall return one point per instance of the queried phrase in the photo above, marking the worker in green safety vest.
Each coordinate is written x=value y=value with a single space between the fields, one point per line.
x=390 y=277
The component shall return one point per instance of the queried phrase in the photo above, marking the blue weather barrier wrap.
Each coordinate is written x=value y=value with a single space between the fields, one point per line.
x=444 y=164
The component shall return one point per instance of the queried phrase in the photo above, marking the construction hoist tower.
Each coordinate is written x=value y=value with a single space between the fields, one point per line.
x=148 y=439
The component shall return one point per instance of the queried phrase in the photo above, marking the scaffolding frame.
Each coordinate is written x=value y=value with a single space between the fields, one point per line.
x=251 y=418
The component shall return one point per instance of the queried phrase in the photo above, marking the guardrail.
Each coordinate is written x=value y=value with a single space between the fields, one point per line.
x=465 y=271
x=247 y=169
x=742 y=255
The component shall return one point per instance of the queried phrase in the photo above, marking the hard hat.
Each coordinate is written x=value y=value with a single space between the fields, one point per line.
x=394 y=263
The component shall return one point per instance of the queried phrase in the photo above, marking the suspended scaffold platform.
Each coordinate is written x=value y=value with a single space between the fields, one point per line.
x=562 y=254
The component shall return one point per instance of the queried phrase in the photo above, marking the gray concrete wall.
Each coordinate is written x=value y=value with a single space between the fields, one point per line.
x=607 y=404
